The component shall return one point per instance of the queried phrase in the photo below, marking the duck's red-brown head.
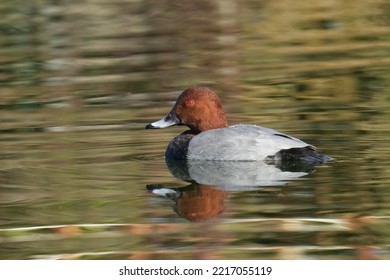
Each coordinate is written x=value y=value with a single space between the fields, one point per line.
x=199 y=108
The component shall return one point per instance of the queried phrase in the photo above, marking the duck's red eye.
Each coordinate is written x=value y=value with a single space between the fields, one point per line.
x=190 y=102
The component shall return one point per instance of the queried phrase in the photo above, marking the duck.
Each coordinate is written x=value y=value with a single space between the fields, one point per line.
x=210 y=138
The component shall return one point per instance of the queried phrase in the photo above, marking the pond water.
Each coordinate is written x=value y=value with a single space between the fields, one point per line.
x=80 y=177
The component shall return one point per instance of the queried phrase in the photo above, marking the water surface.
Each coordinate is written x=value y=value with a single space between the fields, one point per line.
x=80 y=178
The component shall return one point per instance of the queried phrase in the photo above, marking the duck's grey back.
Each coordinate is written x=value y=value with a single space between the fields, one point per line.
x=241 y=143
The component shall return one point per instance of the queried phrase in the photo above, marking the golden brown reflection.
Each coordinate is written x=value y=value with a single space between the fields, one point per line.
x=201 y=203
x=195 y=202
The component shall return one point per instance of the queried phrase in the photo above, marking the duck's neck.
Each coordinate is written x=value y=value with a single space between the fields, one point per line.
x=219 y=121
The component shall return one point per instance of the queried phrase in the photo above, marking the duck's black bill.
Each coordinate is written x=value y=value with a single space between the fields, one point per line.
x=150 y=126
x=169 y=120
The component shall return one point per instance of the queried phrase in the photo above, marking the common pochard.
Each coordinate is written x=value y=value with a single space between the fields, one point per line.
x=210 y=138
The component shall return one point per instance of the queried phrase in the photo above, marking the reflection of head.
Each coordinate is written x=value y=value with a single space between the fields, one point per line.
x=200 y=203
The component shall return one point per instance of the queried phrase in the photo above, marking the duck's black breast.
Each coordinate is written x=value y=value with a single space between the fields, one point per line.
x=178 y=147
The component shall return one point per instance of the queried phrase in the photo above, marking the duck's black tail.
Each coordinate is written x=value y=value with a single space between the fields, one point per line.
x=306 y=154
x=305 y=158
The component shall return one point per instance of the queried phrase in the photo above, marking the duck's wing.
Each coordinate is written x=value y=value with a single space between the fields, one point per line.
x=241 y=142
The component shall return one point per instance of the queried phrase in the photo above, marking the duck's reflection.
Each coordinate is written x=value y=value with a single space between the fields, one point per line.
x=237 y=175
x=210 y=182
x=195 y=202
